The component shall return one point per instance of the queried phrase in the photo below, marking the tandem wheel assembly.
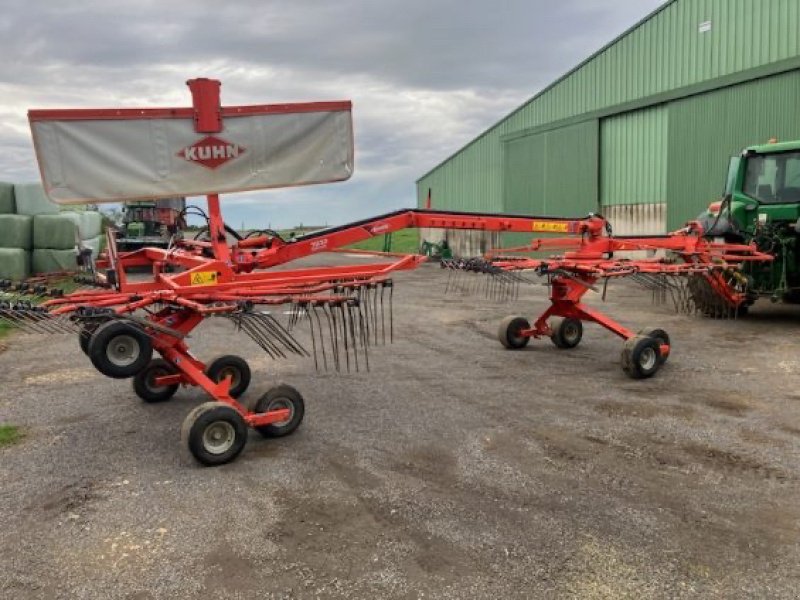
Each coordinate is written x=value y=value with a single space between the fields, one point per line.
x=216 y=432
x=643 y=354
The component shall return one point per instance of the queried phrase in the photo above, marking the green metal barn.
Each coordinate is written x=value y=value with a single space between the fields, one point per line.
x=642 y=130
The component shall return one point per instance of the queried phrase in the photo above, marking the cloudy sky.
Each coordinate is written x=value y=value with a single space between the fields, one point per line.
x=425 y=76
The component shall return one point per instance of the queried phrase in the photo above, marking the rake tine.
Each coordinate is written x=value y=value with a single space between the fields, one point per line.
x=374 y=291
x=334 y=331
x=363 y=335
x=247 y=325
x=383 y=319
x=340 y=306
x=244 y=324
x=362 y=298
x=284 y=336
x=391 y=312
x=260 y=324
x=321 y=337
x=313 y=338
x=352 y=333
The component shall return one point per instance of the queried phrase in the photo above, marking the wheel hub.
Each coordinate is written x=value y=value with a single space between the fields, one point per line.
x=648 y=358
x=219 y=437
x=281 y=404
x=123 y=350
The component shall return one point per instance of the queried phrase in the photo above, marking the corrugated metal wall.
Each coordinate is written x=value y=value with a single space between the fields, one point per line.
x=666 y=52
x=706 y=130
x=552 y=173
x=633 y=163
x=471 y=182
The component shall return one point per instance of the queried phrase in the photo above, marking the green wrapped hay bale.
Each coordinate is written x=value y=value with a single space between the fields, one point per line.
x=95 y=243
x=91 y=224
x=44 y=260
x=15 y=263
x=16 y=231
x=30 y=199
x=56 y=232
x=7 y=204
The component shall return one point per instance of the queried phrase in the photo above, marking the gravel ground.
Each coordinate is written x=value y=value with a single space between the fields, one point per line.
x=454 y=469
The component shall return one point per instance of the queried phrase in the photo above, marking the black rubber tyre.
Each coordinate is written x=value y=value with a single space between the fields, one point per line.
x=144 y=382
x=85 y=335
x=641 y=357
x=508 y=333
x=214 y=433
x=662 y=337
x=281 y=396
x=234 y=366
x=119 y=349
x=567 y=333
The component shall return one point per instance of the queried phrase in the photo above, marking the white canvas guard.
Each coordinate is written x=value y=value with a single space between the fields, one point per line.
x=105 y=159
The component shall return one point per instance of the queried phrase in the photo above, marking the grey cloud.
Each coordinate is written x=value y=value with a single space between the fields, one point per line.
x=425 y=76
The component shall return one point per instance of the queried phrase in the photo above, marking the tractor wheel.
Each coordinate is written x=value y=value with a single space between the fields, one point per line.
x=231 y=366
x=119 y=349
x=567 y=333
x=144 y=382
x=641 y=357
x=661 y=336
x=277 y=398
x=215 y=433
x=85 y=335
x=509 y=332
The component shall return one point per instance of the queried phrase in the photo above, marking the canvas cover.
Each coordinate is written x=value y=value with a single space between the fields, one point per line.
x=85 y=157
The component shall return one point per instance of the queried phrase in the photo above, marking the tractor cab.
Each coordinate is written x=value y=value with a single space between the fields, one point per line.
x=763 y=186
x=761 y=205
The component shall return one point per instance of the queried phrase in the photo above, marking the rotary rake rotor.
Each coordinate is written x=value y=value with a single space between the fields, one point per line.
x=696 y=274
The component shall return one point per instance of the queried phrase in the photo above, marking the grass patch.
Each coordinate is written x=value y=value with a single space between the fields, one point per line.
x=4 y=330
x=405 y=241
x=10 y=434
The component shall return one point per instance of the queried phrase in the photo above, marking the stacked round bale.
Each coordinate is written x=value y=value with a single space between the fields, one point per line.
x=16 y=237
x=36 y=237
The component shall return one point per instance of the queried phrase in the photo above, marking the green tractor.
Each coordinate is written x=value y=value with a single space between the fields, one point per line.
x=761 y=204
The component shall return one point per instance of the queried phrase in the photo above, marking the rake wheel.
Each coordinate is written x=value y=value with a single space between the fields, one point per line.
x=277 y=398
x=509 y=332
x=215 y=433
x=662 y=337
x=641 y=357
x=567 y=333
x=144 y=382
x=120 y=350
x=234 y=367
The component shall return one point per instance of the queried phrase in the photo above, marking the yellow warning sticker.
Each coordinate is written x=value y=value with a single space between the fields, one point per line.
x=204 y=278
x=551 y=226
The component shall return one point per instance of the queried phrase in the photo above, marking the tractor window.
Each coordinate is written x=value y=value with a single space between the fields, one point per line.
x=773 y=178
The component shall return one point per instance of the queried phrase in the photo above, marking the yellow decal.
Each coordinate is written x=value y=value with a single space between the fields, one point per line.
x=204 y=278
x=551 y=226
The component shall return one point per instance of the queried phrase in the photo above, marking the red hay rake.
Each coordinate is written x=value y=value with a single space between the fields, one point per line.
x=125 y=321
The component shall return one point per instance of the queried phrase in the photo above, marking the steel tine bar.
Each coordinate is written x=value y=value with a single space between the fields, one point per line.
x=363 y=335
x=352 y=328
x=280 y=336
x=245 y=325
x=31 y=323
x=321 y=336
x=345 y=340
x=258 y=325
x=383 y=318
x=335 y=335
x=284 y=336
x=313 y=338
